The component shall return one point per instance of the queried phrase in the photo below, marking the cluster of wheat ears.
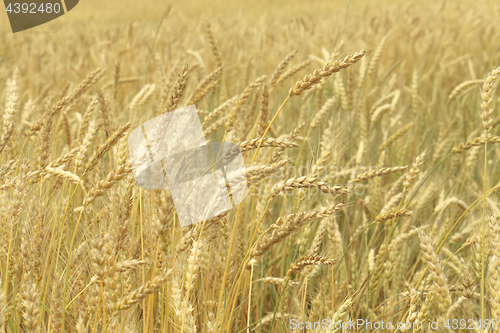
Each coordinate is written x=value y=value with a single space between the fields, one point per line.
x=371 y=163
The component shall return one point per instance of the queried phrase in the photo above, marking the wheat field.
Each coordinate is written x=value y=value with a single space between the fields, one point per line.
x=369 y=135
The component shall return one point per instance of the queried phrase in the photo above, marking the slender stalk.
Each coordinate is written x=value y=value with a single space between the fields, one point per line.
x=483 y=236
x=250 y=298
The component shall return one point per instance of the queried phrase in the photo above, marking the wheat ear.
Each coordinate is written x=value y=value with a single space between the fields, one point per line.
x=10 y=111
x=434 y=264
x=486 y=98
x=319 y=74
